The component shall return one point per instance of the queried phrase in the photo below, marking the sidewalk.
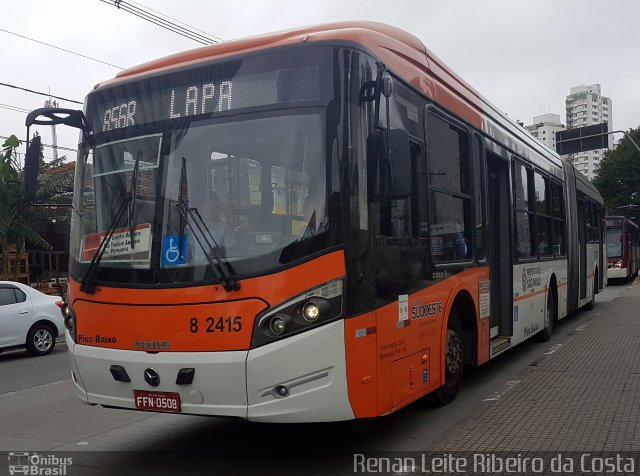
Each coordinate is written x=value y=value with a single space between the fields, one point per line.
x=583 y=397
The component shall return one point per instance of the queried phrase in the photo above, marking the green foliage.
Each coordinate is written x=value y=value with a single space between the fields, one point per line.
x=618 y=177
x=16 y=213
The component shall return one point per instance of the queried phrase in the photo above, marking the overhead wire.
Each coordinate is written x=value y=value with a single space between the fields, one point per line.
x=204 y=39
x=14 y=108
x=136 y=10
x=178 y=21
x=26 y=111
x=59 y=147
x=40 y=93
x=60 y=48
x=140 y=13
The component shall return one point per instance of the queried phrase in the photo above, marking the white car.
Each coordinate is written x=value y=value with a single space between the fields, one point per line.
x=29 y=318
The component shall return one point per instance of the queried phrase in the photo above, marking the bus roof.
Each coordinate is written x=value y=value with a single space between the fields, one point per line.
x=402 y=52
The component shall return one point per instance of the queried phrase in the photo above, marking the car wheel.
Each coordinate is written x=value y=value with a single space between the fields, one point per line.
x=40 y=340
x=454 y=362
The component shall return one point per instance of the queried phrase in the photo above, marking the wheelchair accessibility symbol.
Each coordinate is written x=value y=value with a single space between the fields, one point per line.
x=172 y=253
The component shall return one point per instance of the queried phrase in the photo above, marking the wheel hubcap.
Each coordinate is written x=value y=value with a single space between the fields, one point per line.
x=43 y=340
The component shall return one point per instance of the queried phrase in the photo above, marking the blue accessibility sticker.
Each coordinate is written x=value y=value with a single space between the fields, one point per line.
x=174 y=250
x=515 y=313
x=425 y=375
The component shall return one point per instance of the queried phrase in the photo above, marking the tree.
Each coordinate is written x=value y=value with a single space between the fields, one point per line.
x=16 y=213
x=618 y=177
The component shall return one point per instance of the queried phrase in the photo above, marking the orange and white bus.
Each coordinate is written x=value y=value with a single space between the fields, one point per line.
x=319 y=224
x=623 y=248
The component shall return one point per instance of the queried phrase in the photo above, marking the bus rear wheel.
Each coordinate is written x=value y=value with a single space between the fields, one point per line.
x=454 y=361
x=591 y=303
x=545 y=334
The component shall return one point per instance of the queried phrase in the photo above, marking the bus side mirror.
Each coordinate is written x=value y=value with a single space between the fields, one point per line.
x=51 y=116
x=31 y=167
x=47 y=116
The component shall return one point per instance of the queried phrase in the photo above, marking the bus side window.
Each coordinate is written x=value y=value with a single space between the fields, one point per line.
x=557 y=205
x=399 y=217
x=524 y=233
x=450 y=191
x=594 y=223
x=478 y=196
x=543 y=213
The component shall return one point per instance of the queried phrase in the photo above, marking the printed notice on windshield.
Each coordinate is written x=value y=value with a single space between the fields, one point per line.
x=120 y=244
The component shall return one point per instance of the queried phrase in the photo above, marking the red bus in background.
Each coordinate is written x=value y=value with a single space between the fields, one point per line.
x=623 y=248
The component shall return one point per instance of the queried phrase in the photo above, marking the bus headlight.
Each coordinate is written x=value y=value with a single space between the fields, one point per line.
x=69 y=319
x=313 y=309
x=310 y=309
x=278 y=323
x=617 y=264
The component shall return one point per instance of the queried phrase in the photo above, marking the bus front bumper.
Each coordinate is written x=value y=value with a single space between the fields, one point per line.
x=616 y=273
x=298 y=379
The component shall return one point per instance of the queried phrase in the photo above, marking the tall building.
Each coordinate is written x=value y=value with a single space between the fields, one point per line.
x=544 y=129
x=585 y=107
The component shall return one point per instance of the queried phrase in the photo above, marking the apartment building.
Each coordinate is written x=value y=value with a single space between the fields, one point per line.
x=544 y=128
x=585 y=106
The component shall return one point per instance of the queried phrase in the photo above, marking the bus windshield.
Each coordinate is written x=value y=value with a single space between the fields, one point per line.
x=251 y=183
x=253 y=180
x=614 y=242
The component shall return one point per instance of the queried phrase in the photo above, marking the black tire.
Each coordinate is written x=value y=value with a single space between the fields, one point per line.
x=549 y=320
x=40 y=340
x=591 y=303
x=454 y=362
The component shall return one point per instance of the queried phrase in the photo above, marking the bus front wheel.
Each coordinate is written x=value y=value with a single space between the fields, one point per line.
x=454 y=361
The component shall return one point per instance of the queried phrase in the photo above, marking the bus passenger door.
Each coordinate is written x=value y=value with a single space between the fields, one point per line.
x=499 y=246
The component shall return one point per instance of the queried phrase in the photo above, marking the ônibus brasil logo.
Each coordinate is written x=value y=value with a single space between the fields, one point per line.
x=37 y=464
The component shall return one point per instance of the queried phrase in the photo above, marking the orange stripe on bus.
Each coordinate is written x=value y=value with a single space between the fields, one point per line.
x=525 y=296
x=194 y=318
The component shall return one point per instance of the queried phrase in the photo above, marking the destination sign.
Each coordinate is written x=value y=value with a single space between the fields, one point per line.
x=208 y=89
x=185 y=101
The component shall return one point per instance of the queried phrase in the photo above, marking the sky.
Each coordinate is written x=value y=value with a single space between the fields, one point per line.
x=523 y=56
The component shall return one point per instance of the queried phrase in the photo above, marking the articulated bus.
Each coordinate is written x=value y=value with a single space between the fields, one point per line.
x=312 y=225
x=623 y=248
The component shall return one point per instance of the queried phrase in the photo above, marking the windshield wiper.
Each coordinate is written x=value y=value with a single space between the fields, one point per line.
x=88 y=284
x=132 y=203
x=209 y=246
x=203 y=235
x=127 y=203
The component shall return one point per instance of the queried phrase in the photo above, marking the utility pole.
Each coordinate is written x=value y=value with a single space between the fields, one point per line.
x=54 y=139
